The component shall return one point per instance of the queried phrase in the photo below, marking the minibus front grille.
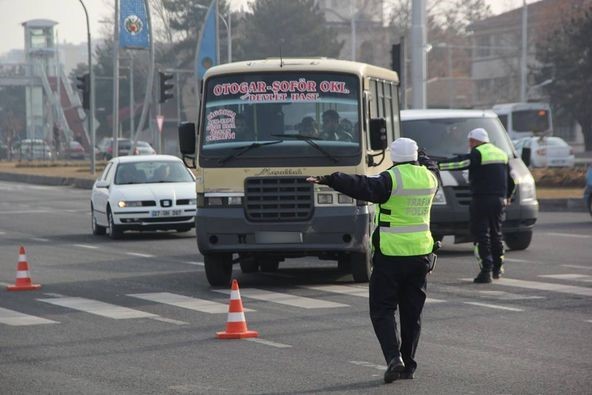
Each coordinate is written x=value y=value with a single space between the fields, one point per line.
x=278 y=199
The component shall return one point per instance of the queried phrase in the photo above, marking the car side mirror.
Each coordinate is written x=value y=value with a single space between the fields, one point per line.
x=378 y=137
x=525 y=155
x=102 y=184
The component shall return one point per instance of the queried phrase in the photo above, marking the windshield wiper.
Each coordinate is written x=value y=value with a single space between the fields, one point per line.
x=310 y=141
x=246 y=148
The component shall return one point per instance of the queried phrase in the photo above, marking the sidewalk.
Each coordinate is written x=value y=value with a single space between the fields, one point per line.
x=78 y=175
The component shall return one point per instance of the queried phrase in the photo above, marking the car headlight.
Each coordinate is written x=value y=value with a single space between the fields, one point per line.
x=128 y=203
x=527 y=190
x=439 y=197
x=192 y=202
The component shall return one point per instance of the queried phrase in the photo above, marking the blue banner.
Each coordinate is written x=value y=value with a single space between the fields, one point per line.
x=134 y=27
x=207 y=46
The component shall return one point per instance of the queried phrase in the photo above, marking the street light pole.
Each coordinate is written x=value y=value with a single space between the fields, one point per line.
x=91 y=114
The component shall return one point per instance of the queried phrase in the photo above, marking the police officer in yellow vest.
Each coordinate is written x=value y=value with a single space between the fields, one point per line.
x=491 y=188
x=402 y=245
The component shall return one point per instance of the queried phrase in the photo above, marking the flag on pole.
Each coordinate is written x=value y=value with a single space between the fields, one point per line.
x=207 y=46
x=134 y=25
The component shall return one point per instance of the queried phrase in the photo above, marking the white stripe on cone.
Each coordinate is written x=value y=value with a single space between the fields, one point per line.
x=236 y=317
x=22 y=274
x=22 y=258
x=234 y=295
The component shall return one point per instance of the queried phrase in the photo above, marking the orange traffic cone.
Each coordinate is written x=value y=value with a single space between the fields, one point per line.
x=23 y=278
x=236 y=325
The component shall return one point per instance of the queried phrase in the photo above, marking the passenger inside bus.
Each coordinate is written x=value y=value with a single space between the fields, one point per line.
x=308 y=127
x=332 y=130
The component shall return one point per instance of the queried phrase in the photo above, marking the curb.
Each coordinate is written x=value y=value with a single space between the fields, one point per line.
x=81 y=183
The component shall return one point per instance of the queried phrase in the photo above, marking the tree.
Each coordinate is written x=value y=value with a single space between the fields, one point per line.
x=290 y=28
x=566 y=60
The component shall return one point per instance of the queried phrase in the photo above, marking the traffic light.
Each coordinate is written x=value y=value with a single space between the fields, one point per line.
x=396 y=58
x=164 y=87
x=84 y=85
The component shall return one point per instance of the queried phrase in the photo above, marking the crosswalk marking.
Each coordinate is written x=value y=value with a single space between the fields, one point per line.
x=185 y=302
x=493 y=306
x=268 y=343
x=98 y=308
x=286 y=299
x=576 y=277
x=85 y=246
x=14 y=318
x=578 y=267
x=569 y=235
x=354 y=291
x=139 y=255
x=541 y=286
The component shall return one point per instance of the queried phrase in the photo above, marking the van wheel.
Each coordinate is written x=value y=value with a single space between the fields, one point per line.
x=248 y=264
x=518 y=240
x=269 y=265
x=361 y=266
x=218 y=269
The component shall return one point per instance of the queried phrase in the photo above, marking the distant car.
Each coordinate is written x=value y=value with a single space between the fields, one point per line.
x=588 y=190
x=105 y=147
x=547 y=151
x=148 y=192
x=74 y=150
x=31 y=149
x=143 y=148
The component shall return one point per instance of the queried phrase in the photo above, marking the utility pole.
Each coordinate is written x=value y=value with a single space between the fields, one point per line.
x=115 y=151
x=132 y=98
x=524 y=60
x=91 y=76
x=418 y=53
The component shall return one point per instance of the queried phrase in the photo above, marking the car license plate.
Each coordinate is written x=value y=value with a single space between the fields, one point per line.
x=165 y=213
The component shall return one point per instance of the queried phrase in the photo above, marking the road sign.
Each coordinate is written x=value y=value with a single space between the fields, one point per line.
x=160 y=122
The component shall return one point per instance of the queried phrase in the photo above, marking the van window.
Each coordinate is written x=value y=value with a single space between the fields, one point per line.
x=446 y=137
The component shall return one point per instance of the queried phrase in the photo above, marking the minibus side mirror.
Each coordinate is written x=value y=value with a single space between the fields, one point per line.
x=187 y=142
x=378 y=137
x=525 y=155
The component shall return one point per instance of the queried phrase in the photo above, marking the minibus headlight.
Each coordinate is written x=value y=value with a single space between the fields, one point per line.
x=235 y=200
x=344 y=199
x=214 y=201
x=325 y=198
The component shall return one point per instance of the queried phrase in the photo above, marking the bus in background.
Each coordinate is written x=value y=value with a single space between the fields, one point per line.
x=525 y=119
x=263 y=127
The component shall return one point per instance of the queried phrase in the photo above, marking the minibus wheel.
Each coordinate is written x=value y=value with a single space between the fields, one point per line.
x=218 y=269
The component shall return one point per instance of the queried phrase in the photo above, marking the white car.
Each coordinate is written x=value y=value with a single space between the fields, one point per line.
x=143 y=148
x=547 y=151
x=148 y=192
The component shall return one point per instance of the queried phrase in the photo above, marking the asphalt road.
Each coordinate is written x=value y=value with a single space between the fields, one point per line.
x=137 y=315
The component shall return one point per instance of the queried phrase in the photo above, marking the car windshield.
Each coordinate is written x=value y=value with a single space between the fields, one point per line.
x=243 y=109
x=446 y=137
x=152 y=172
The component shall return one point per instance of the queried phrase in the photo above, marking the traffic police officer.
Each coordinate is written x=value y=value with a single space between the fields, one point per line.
x=402 y=248
x=491 y=188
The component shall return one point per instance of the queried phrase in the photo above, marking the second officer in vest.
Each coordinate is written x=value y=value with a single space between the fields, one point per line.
x=402 y=245
x=491 y=189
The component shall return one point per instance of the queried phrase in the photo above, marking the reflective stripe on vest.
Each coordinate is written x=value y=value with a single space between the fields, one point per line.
x=463 y=164
x=405 y=218
x=491 y=155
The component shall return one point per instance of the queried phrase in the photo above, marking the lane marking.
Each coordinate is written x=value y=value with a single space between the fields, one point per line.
x=14 y=318
x=368 y=365
x=5 y=284
x=569 y=276
x=561 y=288
x=98 y=308
x=27 y=212
x=268 y=343
x=194 y=263
x=139 y=255
x=40 y=239
x=589 y=321
x=520 y=260
x=85 y=246
x=354 y=291
x=169 y=321
x=2 y=233
x=286 y=299
x=578 y=267
x=503 y=295
x=569 y=235
x=493 y=306
x=185 y=302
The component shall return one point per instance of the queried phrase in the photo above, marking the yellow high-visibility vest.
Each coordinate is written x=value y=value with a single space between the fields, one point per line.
x=404 y=220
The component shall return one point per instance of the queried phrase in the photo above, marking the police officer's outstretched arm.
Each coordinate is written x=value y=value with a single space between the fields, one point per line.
x=376 y=189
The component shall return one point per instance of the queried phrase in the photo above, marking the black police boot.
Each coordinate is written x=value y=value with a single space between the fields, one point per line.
x=483 y=277
x=394 y=370
x=498 y=269
x=406 y=375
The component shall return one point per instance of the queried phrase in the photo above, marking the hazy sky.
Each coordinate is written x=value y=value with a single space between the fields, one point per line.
x=72 y=25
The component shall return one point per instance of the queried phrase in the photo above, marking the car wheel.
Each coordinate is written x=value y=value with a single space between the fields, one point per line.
x=344 y=263
x=361 y=266
x=112 y=229
x=97 y=230
x=218 y=269
x=518 y=240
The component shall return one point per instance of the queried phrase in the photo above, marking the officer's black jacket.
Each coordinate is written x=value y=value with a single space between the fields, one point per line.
x=485 y=180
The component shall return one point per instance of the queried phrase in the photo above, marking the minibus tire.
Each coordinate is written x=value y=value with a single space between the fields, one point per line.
x=218 y=269
x=361 y=266
x=518 y=240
